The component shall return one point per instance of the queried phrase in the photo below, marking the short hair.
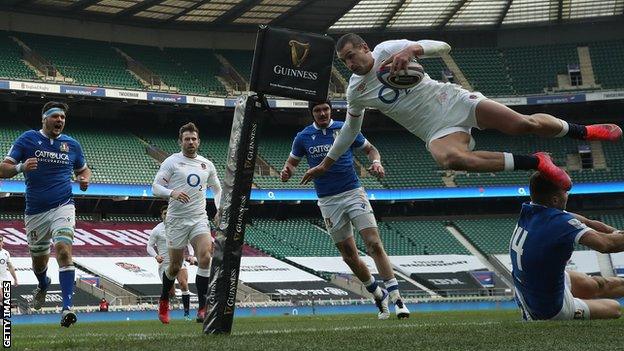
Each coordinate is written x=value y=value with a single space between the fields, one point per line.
x=51 y=104
x=163 y=208
x=189 y=127
x=313 y=104
x=542 y=188
x=352 y=38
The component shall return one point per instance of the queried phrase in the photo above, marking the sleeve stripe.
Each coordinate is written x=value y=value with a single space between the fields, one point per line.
x=81 y=168
x=295 y=156
x=10 y=159
x=580 y=234
x=365 y=144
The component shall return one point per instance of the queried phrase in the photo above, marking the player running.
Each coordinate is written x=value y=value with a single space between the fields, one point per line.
x=542 y=244
x=48 y=159
x=183 y=178
x=157 y=248
x=344 y=204
x=6 y=266
x=442 y=114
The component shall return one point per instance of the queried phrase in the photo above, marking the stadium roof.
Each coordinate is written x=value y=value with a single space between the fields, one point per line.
x=324 y=15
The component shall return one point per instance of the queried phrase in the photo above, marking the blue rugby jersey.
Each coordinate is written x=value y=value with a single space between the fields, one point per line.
x=314 y=143
x=49 y=186
x=540 y=248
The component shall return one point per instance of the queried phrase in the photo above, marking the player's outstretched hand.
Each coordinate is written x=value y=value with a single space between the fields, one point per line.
x=83 y=181
x=377 y=170
x=159 y=259
x=180 y=196
x=286 y=173
x=30 y=164
x=312 y=173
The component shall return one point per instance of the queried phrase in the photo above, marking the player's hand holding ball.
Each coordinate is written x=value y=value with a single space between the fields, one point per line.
x=377 y=169
x=400 y=71
x=180 y=196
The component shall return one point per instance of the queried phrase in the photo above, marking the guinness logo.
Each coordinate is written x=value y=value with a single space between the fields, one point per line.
x=298 y=52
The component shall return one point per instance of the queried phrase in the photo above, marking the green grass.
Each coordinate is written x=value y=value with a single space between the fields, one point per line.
x=492 y=330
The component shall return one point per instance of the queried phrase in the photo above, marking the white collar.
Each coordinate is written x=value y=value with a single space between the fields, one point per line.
x=44 y=134
x=331 y=121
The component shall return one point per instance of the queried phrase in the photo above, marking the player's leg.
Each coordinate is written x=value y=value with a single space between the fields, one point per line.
x=367 y=227
x=603 y=308
x=452 y=151
x=349 y=252
x=493 y=115
x=202 y=244
x=186 y=297
x=62 y=228
x=38 y=236
x=587 y=287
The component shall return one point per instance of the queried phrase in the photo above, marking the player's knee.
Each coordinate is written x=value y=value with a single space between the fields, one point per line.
x=203 y=261
x=614 y=310
x=374 y=249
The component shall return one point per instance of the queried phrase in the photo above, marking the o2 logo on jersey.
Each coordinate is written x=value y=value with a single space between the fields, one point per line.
x=393 y=98
x=193 y=180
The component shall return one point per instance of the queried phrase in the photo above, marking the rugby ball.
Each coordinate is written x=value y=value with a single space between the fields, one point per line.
x=403 y=79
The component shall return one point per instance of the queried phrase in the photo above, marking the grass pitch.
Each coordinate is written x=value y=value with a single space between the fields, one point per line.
x=491 y=330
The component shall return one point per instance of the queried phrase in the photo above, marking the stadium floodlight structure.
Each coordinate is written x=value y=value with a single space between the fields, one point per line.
x=286 y=63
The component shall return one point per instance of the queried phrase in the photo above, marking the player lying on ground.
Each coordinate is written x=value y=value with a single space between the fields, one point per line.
x=540 y=248
x=48 y=160
x=442 y=114
x=344 y=203
x=183 y=179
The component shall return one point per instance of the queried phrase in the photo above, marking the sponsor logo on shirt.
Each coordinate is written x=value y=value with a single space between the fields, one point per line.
x=319 y=150
x=51 y=157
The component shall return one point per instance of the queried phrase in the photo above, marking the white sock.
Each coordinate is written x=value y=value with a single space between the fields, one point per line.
x=565 y=127
x=509 y=161
x=204 y=272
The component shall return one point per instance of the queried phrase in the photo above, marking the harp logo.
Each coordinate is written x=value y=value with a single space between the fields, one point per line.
x=298 y=52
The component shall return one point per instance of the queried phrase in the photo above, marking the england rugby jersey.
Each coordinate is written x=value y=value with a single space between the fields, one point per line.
x=191 y=176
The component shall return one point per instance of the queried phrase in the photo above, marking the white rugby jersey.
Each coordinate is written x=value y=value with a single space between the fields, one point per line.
x=5 y=258
x=157 y=238
x=191 y=176
x=418 y=109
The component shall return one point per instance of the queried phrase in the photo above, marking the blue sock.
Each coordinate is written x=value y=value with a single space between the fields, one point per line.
x=42 y=277
x=373 y=288
x=66 y=277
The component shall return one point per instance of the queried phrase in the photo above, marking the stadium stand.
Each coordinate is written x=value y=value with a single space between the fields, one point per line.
x=11 y=64
x=428 y=237
x=535 y=68
x=485 y=69
x=241 y=60
x=412 y=167
x=606 y=61
x=201 y=65
x=88 y=62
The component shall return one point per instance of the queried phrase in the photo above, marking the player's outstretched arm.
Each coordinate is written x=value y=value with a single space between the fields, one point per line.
x=374 y=157
x=289 y=168
x=8 y=168
x=593 y=224
x=603 y=242
x=419 y=49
